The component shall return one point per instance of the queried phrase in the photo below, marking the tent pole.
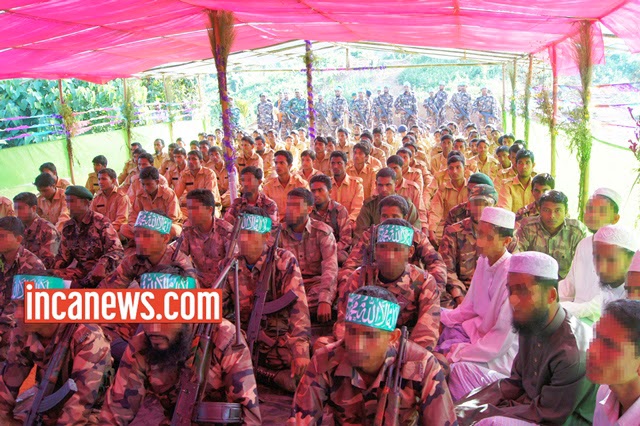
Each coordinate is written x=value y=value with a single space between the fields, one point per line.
x=168 y=96
x=125 y=95
x=308 y=60
x=527 y=99
x=504 y=97
x=68 y=137
x=346 y=53
x=514 y=78
x=202 y=105
x=554 y=116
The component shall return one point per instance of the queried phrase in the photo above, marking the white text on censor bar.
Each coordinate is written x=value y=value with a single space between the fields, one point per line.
x=122 y=305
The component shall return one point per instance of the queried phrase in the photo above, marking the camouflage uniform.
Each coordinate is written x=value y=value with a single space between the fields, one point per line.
x=234 y=116
x=461 y=103
x=318 y=260
x=376 y=110
x=88 y=364
x=386 y=112
x=91 y=242
x=419 y=299
x=56 y=210
x=337 y=217
x=528 y=211
x=322 y=118
x=264 y=113
x=92 y=183
x=458 y=213
x=331 y=382
x=532 y=236
x=143 y=391
x=440 y=102
x=407 y=105
x=339 y=108
x=362 y=112
x=290 y=328
x=297 y=109
x=114 y=207
x=369 y=215
x=429 y=105
x=6 y=207
x=264 y=202
x=486 y=105
x=458 y=249
x=42 y=239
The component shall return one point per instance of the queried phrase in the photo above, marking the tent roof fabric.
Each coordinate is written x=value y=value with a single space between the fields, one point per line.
x=105 y=39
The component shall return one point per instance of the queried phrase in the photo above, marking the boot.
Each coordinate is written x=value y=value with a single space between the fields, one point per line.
x=281 y=378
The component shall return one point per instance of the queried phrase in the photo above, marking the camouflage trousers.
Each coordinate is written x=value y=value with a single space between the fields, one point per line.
x=274 y=353
x=23 y=407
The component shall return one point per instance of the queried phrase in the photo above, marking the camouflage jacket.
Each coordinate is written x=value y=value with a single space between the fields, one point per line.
x=264 y=202
x=338 y=108
x=317 y=256
x=91 y=242
x=533 y=236
x=25 y=263
x=458 y=249
x=425 y=256
x=458 y=213
x=529 y=210
x=441 y=99
x=369 y=215
x=42 y=239
x=386 y=102
x=297 y=108
x=230 y=378
x=406 y=103
x=332 y=382
x=362 y=111
x=88 y=364
x=337 y=217
x=207 y=249
x=461 y=102
x=419 y=300
x=485 y=104
x=290 y=326
x=264 y=112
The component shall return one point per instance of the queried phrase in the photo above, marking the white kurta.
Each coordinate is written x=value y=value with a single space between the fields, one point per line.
x=485 y=315
x=609 y=294
x=607 y=411
x=580 y=291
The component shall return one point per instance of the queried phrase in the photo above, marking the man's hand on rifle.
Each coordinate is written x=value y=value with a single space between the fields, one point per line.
x=324 y=311
x=298 y=367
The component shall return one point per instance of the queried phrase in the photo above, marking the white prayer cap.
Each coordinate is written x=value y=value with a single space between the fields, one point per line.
x=499 y=217
x=635 y=263
x=618 y=236
x=610 y=194
x=534 y=263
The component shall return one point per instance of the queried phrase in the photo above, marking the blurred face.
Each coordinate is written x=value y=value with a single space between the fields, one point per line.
x=633 y=285
x=143 y=163
x=78 y=207
x=390 y=212
x=612 y=358
x=503 y=158
x=247 y=148
x=179 y=159
x=320 y=193
x=306 y=163
x=529 y=302
x=476 y=207
x=8 y=241
x=337 y=166
x=342 y=138
x=150 y=186
x=385 y=186
x=391 y=259
x=149 y=243
x=456 y=171
x=359 y=157
x=259 y=145
x=396 y=168
x=24 y=211
x=524 y=167
x=44 y=330
x=157 y=146
x=251 y=244
x=611 y=263
x=162 y=336
x=47 y=191
x=407 y=88
x=483 y=149
x=598 y=213
x=366 y=346
x=198 y=213
x=281 y=165
x=538 y=190
x=250 y=185
x=338 y=93
x=488 y=241
x=297 y=212
x=552 y=215
x=446 y=145
x=194 y=162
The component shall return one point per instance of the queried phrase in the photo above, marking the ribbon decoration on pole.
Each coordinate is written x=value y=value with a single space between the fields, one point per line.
x=308 y=60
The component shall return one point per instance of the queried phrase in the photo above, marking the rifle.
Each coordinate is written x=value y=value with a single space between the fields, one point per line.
x=368 y=275
x=390 y=398
x=189 y=405
x=46 y=399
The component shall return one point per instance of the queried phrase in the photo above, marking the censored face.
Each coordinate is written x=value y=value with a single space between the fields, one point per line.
x=366 y=346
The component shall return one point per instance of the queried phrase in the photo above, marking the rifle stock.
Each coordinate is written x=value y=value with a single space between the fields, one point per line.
x=389 y=402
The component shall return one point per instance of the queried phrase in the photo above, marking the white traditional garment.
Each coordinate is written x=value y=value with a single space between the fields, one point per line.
x=609 y=294
x=580 y=292
x=485 y=315
x=607 y=411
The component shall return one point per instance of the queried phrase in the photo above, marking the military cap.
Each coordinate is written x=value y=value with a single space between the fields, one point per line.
x=480 y=178
x=483 y=192
x=79 y=191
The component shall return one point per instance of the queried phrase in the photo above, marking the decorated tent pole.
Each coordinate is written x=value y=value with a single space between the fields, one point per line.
x=67 y=118
x=554 y=114
x=126 y=105
x=221 y=35
x=513 y=74
x=168 y=96
x=504 y=97
x=527 y=99
x=308 y=60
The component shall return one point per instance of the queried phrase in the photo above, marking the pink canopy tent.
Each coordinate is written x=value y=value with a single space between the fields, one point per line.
x=105 y=39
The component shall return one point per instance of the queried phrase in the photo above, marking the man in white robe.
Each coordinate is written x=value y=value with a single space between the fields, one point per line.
x=613 y=249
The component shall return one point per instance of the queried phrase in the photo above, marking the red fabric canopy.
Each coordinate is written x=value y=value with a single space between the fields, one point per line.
x=100 y=40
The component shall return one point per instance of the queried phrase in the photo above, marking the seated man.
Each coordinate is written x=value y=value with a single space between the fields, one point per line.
x=130 y=164
x=345 y=377
x=361 y=168
x=247 y=156
x=154 y=196
x=452 y=192
x=313 y=244
x=307 y=171
x=51 y=169
x=207 y=238
x=333 y=214
x=111 y=201
x=458 y=245
x=539 y=185
x=580 y=292
x=415 y=289
x=175 y=170
x=613 y=249
x=461 y=211
x=409 y=189
x=88 y=365
x=51 y=202
x=135 y=186
x=196 y=177
x=251 y=180
x=15 y=260
x=479 y=331
x=278 y=187
x=552 y=232
x=89 y=239
x=515 y=193
x=284 y=343
x=633 y=278
x=40 y=236
x=613 y=362
x=99 y=163
x=345 y=189
x=547 y=384
x=146 y=386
